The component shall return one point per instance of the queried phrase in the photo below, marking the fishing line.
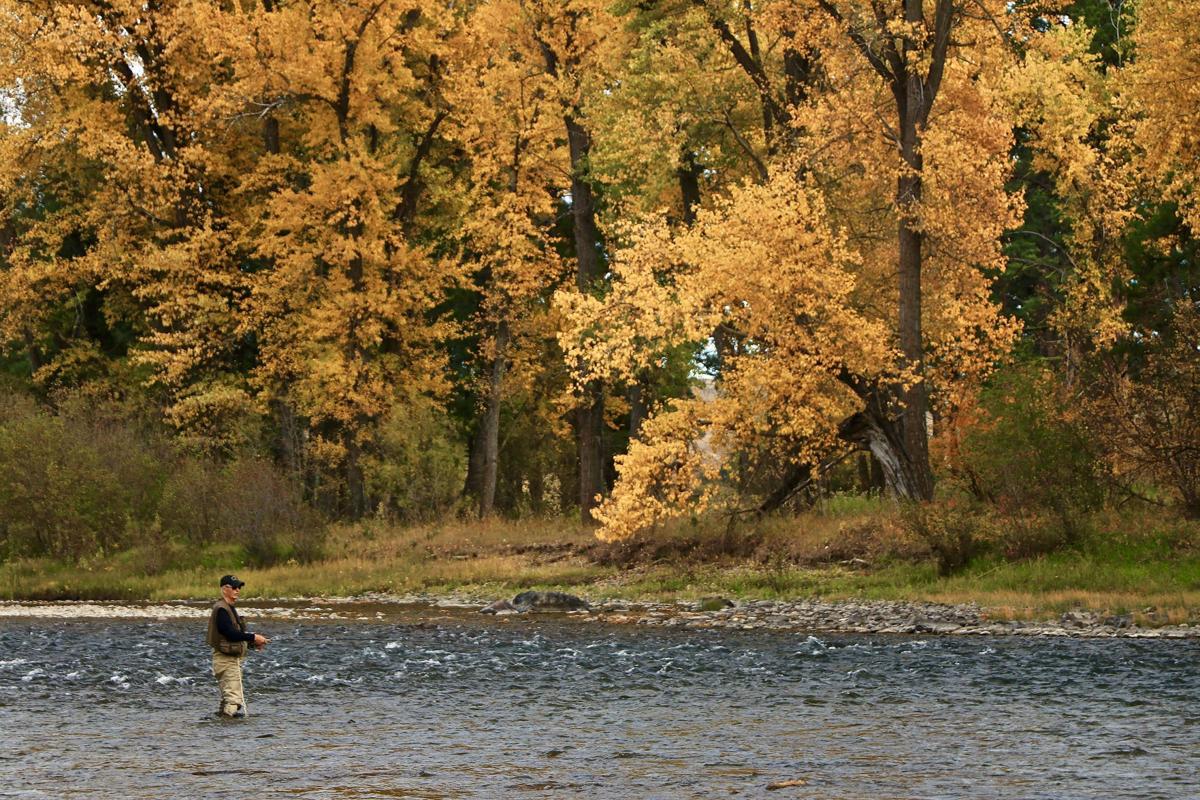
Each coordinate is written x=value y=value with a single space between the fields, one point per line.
x=359 y=639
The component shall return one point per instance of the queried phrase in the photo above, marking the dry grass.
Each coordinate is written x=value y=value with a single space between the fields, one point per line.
x=847 y=549
x=1150 y=610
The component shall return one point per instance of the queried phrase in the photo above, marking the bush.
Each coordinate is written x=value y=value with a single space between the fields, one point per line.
x=1147 y=418
x=93 y=480
x=419 y=466
x=955 y=531
x=72 y=487
x=192 y=503
x=247 y=502
x=1027 y=454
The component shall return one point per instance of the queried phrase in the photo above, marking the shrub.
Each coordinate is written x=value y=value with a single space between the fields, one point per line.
x=247 y=502
x=1028 y=455
x=955 y=531
x=265 y=512
x=418 y=469
x=94 y=479
x=72 y=487
x=192 y=503
x=1147 y=419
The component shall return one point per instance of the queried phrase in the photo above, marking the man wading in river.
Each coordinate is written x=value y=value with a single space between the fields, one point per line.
x=229 y=639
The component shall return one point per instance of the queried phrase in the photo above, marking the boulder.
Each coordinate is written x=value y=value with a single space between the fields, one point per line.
x=537 y=601
x=712 y=604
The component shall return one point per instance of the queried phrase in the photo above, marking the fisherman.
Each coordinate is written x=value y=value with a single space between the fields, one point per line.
x=229 y=640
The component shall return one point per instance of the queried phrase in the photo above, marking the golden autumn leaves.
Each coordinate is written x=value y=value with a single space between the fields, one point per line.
x=275 y=201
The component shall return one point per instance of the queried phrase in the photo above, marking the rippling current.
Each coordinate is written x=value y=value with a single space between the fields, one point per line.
x=431 y=704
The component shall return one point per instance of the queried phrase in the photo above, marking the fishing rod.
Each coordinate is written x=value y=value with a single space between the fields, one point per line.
x=283 y=637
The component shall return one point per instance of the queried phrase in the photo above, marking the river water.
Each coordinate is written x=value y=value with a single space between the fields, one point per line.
x=428 y=703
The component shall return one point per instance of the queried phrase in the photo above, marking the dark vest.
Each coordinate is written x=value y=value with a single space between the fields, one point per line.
x=218 y=642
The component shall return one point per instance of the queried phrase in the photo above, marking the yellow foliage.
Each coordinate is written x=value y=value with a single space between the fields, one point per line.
x=238 y=171
x=1064 y=101
x=798 y=269
x=1161 y=90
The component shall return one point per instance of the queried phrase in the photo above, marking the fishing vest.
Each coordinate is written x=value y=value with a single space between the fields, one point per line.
x=218 y=642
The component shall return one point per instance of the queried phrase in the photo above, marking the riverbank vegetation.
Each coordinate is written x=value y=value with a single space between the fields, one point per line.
x=769 y=299
x=842 y=548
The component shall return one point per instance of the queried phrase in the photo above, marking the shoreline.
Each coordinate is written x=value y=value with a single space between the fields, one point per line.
x=781 y=616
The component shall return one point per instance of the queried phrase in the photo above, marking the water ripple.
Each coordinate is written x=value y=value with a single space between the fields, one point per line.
x=452 y=706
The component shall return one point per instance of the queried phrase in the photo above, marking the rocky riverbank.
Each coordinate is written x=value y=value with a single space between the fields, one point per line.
x=876 y=617
x=848 y=616
x=871 y=617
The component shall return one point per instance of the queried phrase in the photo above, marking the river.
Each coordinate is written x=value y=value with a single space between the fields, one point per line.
x=436 y=703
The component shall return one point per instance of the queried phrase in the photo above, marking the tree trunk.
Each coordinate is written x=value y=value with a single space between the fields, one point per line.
x=589 y=413
x=689 y=185
x=863 y=463
x=490 y=425
x=883 y=438
x=900 y=58
x=796 y=475
x=637 y=407
x=913 y=108
x=271 y=135
x=33 y=352
x=473 y=486
x=588 y=420
x=537 y=488
x=912 y=432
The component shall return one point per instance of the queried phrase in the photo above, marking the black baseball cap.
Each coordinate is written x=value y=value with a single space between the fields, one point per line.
x=231 y=580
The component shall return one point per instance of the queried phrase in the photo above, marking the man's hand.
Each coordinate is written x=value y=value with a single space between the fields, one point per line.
x=259 y=641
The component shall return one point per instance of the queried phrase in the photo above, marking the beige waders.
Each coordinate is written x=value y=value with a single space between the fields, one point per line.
x=227 y=661
x=228 y=672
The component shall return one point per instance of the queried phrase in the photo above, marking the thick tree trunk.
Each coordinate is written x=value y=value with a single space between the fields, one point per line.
x=473 y=486
x=271 y=135
x=490 y=425
x=883 y=438
x=912 y=432
x=870 y=474
x=913 y=108
x=797 y=474
x=901 y=444
x=583 y=209
x=589 y=414
x=589 y=418
x=689 y=185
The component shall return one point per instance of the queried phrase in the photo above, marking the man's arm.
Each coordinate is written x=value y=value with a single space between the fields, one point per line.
x=230 y=631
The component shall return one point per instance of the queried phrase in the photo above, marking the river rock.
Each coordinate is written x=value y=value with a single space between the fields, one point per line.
x=537 y=601
x=713 y=604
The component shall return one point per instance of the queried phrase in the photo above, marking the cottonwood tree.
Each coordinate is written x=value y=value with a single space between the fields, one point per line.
x=576 y=40
x=249 y=178
x=340 y=306
x=111 y=184
x=1163 y=99
x=844 y=326
x=507 y=116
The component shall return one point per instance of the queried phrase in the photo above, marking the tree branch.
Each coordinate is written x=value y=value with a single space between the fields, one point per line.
x=745 y=145
x=862 y=44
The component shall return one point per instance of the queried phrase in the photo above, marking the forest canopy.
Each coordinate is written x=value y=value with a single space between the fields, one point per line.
x=636 y=261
